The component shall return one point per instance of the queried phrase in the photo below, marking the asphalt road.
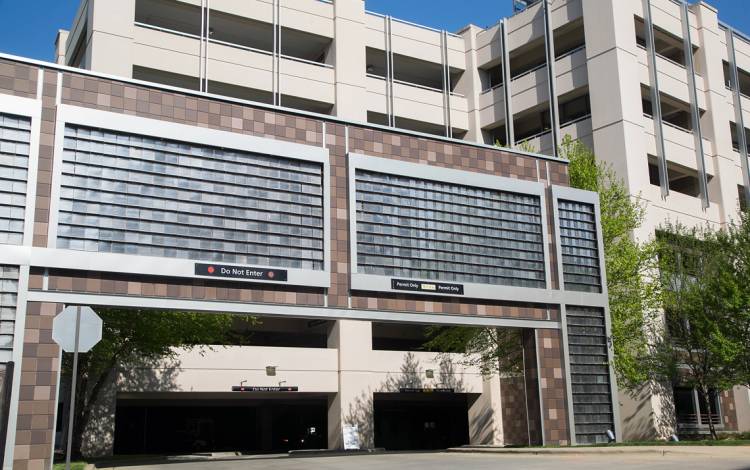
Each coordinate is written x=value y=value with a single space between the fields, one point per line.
x=717 y=459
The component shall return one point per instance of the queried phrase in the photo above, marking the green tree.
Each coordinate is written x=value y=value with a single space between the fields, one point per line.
x=703 y=340
x=628 y=268
x=629 y=263
x=738 y=293
x=133 y=337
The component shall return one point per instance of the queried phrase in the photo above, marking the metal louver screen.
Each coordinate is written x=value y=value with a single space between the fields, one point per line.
x=15 y=138
x=589 y=374
x=8 y=300
x=413 y=228
x=579 y=245
x=125 y=193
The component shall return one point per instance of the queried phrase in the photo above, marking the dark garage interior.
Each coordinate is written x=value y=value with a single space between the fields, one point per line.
x=248 y=425
x=421 y=421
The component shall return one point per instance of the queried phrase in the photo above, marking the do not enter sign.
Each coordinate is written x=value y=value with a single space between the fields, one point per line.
x=64 y=329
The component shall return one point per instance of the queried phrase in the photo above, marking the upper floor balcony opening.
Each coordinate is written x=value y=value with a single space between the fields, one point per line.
x=231 y=30
x=432 y=128
x=735 y=137
x=491 y=75
x=410 y=70
x=743 y=202
x=229 y=89
x=744 y=79
x=530 y=57
x=532 y=123
x=573 y=107
x=495 y=136
x=681 y=179
x=168 y=78
x=674 y=112
x=667 y=45
x=569 y=38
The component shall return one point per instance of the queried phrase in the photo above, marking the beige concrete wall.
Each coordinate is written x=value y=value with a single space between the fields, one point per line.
x=742 y=404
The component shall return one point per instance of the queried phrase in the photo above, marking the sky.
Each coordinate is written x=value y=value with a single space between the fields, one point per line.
x=28 y=27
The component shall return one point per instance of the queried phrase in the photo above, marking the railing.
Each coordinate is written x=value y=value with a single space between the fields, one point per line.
x=692 y=419
x=166 y=30
x=547 y=131
x=493 y=87
x=416 y=25
x=740 y=35
x=415 y=85
x=728 y=86
x=534 y=136
x=575 y=121
x=571 y=52
x=529 y=72
x=240 y=46
x=669 y=124
x=669 y=60
x=305 y=61
x=232 y=44
x=538 y=67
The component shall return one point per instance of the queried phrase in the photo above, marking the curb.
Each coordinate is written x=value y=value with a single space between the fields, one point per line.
x=569 y=450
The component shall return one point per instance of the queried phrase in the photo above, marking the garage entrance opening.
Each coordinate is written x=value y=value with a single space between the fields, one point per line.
x=219 y=425
x=421 y=421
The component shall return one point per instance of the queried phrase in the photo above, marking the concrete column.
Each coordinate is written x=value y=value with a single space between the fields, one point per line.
x=60 y=43
x=470 y=84
x=110 y=25
x=349 y=53
x=742 y=404
x=615 y=90
x=719 y=156
x=614 y=86
x=486 y=415
x=353 y=404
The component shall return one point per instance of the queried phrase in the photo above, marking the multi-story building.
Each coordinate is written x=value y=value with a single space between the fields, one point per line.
x=659 y=89
x=371 y=114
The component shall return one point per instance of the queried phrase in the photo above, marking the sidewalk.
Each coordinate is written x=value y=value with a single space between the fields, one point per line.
x=634 y=450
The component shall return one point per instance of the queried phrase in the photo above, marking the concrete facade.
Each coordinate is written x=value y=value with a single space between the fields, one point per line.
x=670 y=123
x=46 y=100
x=355 y=83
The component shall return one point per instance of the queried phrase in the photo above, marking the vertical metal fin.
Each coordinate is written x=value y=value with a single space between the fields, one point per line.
x=446 y=84
x=694 y=110
x=549 y=45
x=510 y=133
x=739 y=120
x=656 y=99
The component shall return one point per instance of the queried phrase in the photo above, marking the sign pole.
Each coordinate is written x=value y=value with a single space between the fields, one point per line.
x=72 y=407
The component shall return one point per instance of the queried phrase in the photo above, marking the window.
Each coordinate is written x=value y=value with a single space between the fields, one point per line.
x=140 y=195
x=589 y=375
x=15 y=136
x=422 y=229
x=8 y=301
x=688 y=400
x=580 y=247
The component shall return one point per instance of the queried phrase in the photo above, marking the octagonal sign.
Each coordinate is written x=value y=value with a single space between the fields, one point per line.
x=64 y=329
